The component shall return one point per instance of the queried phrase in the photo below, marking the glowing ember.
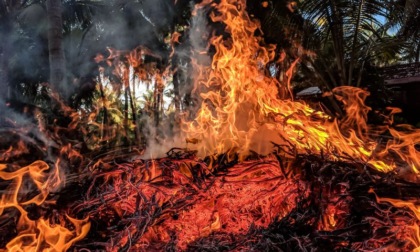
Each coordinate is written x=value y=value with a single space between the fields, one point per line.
x=179 y=198
x=222 y=207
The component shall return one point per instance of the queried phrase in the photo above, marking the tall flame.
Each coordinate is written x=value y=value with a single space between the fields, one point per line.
x=241 y=104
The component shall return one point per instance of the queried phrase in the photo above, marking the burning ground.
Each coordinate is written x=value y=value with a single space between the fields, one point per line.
x=181 y=202
x=260 y=171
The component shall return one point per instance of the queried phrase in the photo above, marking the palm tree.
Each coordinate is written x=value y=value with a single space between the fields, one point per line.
x=347 y=35
x=55 y=46
x=411 y=30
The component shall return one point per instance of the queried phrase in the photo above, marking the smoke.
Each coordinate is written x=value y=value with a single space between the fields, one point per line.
x=23 y=49
x=122 y=25
x=199 y=36
x=126 y=25
x=24 y=139
x=193 y=50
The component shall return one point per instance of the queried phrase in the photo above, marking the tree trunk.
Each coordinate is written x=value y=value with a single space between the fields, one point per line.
x=55 y=47
x=5 y=49
x=336 y=24
x=4 y=71
x=177 y=99
x=4 y=78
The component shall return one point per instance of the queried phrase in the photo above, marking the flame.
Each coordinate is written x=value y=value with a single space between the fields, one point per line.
x=242 y=107
x=14 y=151
x=413 y=235
x=40 y=234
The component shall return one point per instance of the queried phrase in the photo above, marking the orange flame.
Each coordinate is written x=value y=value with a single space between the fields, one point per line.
x=413 y=236
x=240 y=104
x=41 y=234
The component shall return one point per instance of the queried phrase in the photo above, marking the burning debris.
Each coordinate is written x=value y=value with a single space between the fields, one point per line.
x=274 y=203
x=261 y=172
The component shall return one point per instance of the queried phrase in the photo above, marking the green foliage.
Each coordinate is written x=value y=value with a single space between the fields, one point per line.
x=346 y=36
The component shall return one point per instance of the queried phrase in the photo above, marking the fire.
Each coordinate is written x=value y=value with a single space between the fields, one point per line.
x=38 y=234
x=413 y=234
x=182 y=199
x=185 y=198
x=240 y=101
x=219 y=209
